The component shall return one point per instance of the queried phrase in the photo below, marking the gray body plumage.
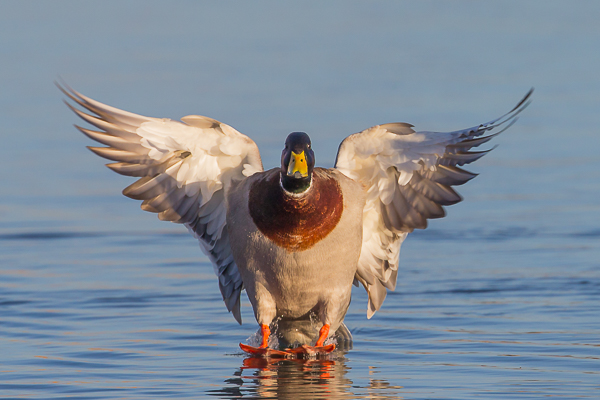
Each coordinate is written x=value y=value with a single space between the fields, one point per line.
x=289 y=286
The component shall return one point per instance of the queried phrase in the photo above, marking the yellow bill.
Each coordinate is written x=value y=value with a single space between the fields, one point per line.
x=298 y=164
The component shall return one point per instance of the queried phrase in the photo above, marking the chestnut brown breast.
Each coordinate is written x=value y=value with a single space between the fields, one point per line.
x=296 y=223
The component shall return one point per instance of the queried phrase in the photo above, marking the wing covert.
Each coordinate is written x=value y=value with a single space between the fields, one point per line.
x=184 y=170
x=408 y=176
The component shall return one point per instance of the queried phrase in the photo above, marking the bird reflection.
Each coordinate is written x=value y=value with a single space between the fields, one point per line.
x=276 y=378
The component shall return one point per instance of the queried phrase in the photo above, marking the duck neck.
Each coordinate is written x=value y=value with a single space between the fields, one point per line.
x=295 y=186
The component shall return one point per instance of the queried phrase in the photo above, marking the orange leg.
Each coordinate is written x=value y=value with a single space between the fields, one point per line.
x=265 y=351
x=323 y=333
x=266 y=332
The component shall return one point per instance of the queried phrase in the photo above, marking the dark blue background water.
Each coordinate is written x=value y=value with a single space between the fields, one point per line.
x=99 y=300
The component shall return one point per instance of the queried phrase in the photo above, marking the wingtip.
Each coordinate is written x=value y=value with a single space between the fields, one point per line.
x=525 y=101
x=64 y=87
x=59 y=82
x=235 y=310
x=370 y=313
x=531 y=90
x=237 y=315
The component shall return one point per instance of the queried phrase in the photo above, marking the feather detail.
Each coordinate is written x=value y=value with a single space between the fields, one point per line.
x=183 y=168
x=408 y=177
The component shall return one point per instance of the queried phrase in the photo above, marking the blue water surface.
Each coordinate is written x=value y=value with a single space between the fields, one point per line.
x=500 y=299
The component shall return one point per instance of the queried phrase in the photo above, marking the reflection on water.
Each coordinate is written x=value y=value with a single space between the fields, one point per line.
x=301 y=379
x=112 y=316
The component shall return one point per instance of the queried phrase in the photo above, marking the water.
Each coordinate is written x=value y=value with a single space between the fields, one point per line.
x=99 y=300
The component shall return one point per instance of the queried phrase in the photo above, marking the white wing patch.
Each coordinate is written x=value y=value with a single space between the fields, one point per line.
x=408 y=177
x=184 y=171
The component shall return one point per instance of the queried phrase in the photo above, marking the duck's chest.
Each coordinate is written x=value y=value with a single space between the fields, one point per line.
x=293 y=247
x=296 y=222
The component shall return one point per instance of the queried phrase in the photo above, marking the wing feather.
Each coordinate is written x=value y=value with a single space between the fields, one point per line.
x=120 y=155
x=147 y=188
x=391 y=216
x=112 y=141
x=448 y=175
x=184 y=169
x=163 y=201
x=141 y=170
x=408 y=177
x=468 y=144
x=462 y=158
x=442 y=195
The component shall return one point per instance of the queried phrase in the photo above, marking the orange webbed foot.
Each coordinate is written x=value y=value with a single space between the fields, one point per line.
x=318 y=348
x=298 y=352
x=264 y=351
x=311 y=350
x=304 y=350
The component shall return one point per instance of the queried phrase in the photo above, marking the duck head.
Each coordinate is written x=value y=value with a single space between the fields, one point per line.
x=297 y=163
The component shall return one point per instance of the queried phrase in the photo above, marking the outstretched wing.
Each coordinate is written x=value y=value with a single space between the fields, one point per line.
x=184 y=171
x=408 y=176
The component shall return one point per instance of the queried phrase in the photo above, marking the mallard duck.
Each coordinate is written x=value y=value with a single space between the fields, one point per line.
x=296 y=237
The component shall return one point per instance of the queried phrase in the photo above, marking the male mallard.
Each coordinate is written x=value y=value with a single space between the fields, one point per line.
x=295 y=237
